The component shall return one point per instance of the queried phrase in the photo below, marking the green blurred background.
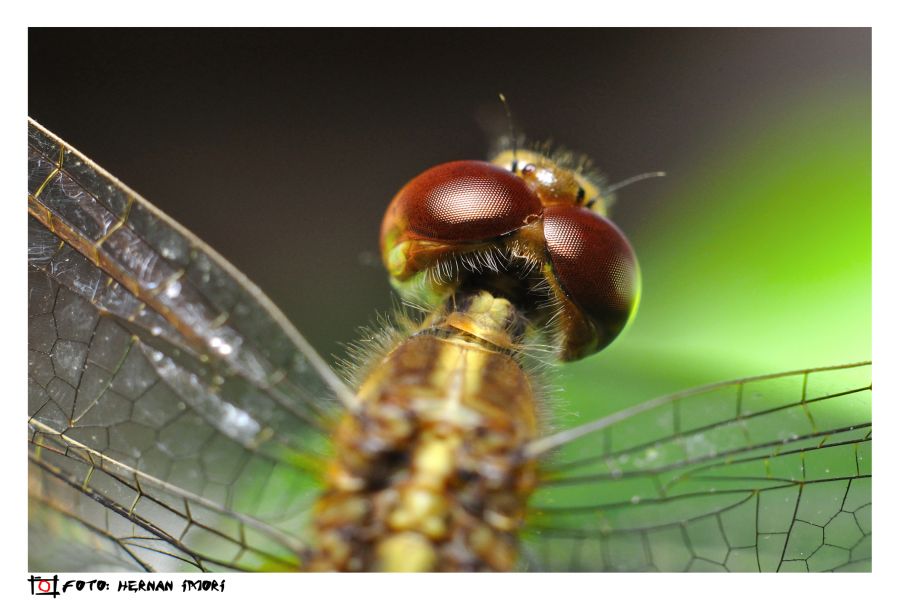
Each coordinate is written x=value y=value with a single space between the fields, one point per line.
x=282 y=148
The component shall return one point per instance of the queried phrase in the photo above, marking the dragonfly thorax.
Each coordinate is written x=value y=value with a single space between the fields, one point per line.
x=429 y=473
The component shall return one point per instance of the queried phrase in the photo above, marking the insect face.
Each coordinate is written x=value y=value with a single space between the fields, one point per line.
x=525 y=226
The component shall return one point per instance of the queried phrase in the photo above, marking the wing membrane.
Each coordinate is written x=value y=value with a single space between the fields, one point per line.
x=767 y=473
x=161 y=382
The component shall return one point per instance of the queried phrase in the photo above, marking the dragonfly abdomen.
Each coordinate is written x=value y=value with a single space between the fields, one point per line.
x=428 y=474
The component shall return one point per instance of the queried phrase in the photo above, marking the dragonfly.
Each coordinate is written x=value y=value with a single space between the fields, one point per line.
x=179 y=422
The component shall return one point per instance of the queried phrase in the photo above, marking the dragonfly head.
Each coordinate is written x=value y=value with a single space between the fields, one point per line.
x=556 y=178
x=527 y=226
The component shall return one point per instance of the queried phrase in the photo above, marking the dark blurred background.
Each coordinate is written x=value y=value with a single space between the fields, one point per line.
x=281 y=149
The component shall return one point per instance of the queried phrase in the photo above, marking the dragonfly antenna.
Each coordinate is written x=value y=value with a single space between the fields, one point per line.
x=512 y=131
x=635 y=179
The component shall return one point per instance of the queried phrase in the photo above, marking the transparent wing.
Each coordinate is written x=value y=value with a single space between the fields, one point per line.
x=174 y=414
x=768 y=473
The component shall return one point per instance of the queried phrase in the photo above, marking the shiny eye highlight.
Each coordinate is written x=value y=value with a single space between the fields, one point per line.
x=464 y=201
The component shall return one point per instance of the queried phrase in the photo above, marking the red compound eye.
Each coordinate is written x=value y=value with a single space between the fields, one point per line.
x=463 y=201
x=595 y=265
